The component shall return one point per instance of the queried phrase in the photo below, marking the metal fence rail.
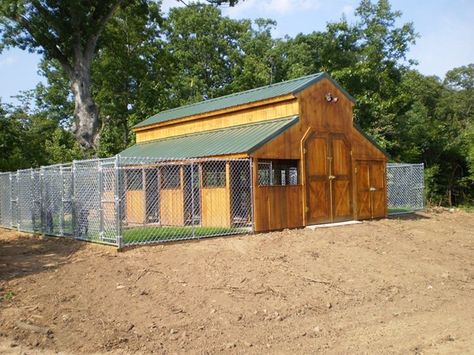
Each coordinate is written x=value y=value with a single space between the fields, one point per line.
x=405 y=187
x=130 y=201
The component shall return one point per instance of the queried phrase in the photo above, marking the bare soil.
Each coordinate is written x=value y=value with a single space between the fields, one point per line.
x=400 y=285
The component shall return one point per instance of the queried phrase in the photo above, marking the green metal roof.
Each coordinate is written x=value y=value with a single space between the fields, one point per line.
x=265 y=92
x=233 y=140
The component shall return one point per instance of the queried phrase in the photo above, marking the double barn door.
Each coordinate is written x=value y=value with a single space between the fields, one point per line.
x=370 y=189
x=328 y=178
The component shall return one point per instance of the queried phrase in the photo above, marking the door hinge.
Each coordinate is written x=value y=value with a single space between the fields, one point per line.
x=306 y=209
x=355 y=170
x=304 y=151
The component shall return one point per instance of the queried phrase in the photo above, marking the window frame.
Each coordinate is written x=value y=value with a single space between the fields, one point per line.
x=165 y=177
x=220 y=175
x=281 y=172
x=131 y=183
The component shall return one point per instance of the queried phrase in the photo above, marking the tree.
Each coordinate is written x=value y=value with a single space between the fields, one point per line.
x=205 y=51
x=66 y=31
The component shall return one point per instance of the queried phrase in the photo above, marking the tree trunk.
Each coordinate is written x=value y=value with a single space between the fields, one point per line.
x=86 y=112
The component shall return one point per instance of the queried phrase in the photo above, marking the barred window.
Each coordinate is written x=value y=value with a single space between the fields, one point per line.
x=278 y=172
x=213 y=174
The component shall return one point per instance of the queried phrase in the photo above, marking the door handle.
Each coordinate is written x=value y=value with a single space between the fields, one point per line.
x=331 y=177
x=372 y=189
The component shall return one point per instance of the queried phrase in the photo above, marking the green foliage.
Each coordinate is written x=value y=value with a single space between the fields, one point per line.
x=7 y=296
x=146 y=62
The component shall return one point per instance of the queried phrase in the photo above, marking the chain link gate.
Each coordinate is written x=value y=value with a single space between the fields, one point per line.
x=405 y=187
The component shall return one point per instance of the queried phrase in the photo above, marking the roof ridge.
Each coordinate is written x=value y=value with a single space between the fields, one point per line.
x=243 y=92
x=290 y=117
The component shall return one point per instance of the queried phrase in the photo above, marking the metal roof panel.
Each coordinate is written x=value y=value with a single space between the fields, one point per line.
x=241 y=98
x=232 y=140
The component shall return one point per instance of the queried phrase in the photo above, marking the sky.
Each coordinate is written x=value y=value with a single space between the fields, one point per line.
x=445 y=27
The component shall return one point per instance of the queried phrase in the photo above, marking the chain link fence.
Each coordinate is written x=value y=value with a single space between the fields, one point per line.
x=405 y=187
x=130 y=201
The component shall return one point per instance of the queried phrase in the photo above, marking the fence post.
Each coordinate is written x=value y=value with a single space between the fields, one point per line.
x=11 y=198
x=192 y=200
x=101 y=188
x=18 y=216
x=61 y=206
x=73 y=200
x=117 y=199
x=41 y=197
x=252 y=212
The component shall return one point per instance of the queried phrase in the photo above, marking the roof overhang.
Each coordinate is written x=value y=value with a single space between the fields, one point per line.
x=241 y=139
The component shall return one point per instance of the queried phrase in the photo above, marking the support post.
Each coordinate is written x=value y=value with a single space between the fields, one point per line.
x=192 y=199
x=18 y=210
x=117 y=199
x=73 y=202
x=101 y=207
x=42 y=219
x=11 y=199
x=61 y=207
x=251 y=180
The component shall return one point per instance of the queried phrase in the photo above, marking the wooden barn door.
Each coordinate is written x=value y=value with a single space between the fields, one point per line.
x=370 y=189
x=318 y=197
x=328 y=179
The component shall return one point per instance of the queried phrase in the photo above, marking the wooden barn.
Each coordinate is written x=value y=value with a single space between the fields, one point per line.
x=310 y=163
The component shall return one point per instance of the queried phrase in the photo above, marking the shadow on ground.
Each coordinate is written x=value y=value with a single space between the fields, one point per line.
x=412 y=216
x=22 y=254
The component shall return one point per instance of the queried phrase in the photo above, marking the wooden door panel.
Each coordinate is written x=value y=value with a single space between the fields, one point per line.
x=363 y=205
x=341 y=179
x=342 y=207
x=378 y=204
x=377 y=175
x=370 y=189
x=362 y=190
x=317 y=180
x=318 y=201
x=316 y=157
x=377 y=183
x=340 y=157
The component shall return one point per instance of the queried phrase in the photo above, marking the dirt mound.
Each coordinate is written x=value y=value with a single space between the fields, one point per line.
x=390 y=286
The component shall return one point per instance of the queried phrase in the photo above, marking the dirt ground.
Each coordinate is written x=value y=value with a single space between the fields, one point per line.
x=400 y=285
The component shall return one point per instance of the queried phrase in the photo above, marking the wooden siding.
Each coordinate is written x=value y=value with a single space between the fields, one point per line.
x=172 y=203
x=317 y=116
x=278 y=207
x=251 y=115
x=215 y=204
x=135 y=206
x=362 y=148
x=172 y=207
